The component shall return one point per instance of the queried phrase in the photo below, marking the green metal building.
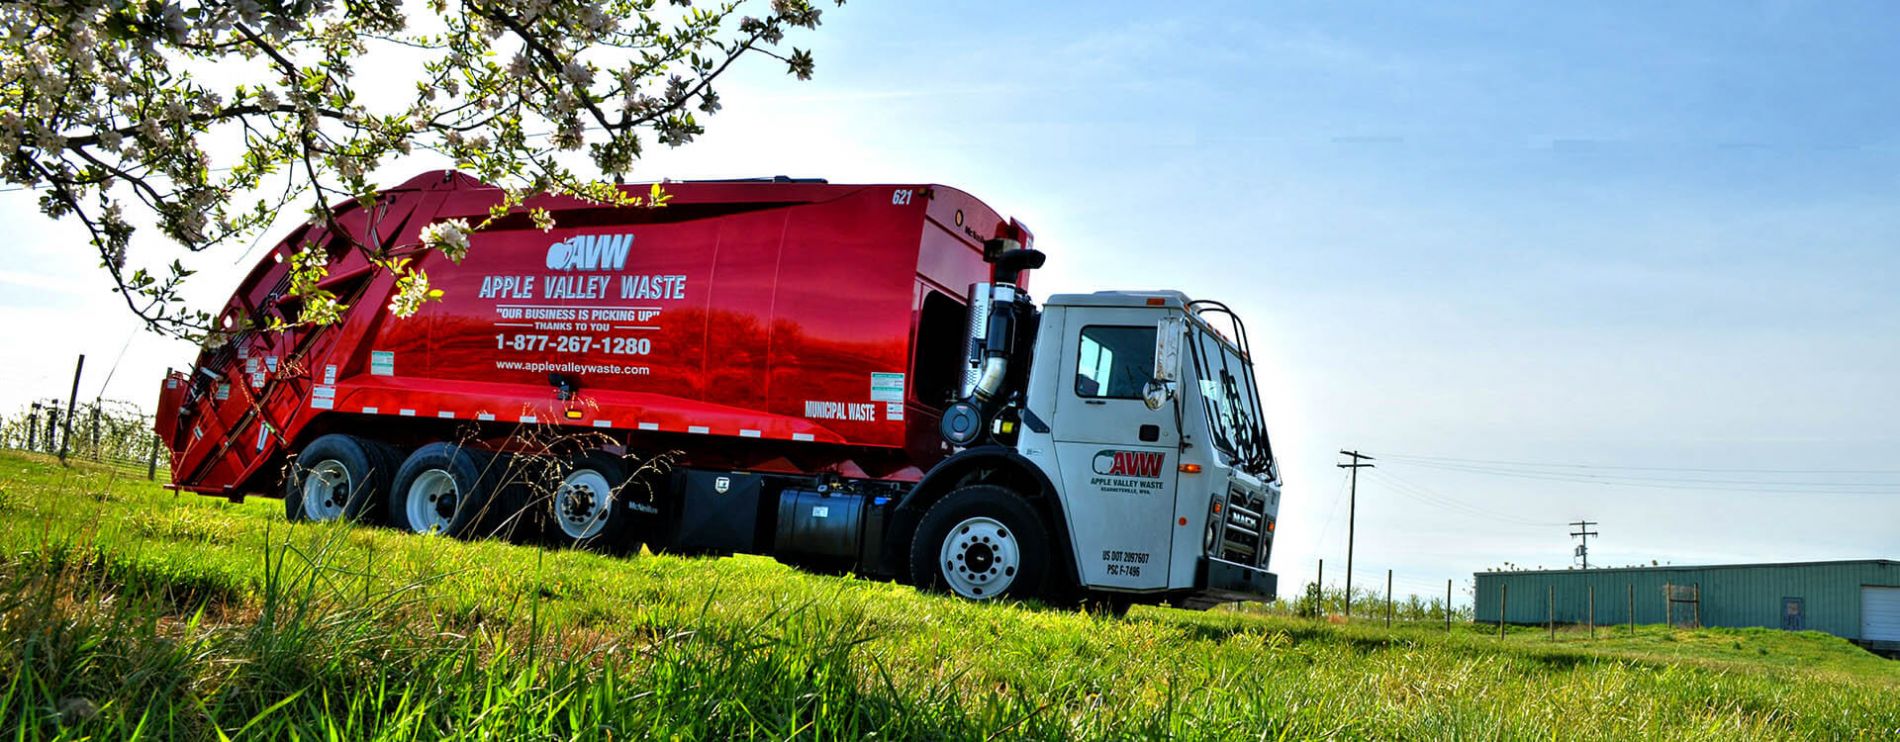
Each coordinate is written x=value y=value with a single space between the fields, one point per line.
x=1857 y=600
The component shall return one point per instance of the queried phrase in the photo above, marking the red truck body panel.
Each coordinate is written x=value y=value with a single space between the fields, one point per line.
x=772 y=325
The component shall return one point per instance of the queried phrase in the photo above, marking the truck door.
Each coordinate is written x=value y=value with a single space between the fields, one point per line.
x=1118 y=458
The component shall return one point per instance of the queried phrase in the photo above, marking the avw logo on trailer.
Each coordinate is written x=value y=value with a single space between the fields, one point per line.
x=1135 y=464
x=590 y=252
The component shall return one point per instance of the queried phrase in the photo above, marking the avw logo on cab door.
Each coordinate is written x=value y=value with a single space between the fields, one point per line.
x=1135 y=464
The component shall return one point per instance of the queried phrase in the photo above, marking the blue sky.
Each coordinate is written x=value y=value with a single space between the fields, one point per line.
x=1609 y=235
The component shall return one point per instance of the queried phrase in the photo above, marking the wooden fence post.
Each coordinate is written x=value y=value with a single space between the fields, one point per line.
x=1632 y=609
x=1550 y=610
x=1448 y=606
x=1504 y=595
x=1593 y=612
x=1388 y=598
x=151 y=459
x=95 y=430
x=1319 y=591
x=72 y=407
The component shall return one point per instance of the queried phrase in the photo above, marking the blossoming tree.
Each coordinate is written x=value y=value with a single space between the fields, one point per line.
x=209 y=117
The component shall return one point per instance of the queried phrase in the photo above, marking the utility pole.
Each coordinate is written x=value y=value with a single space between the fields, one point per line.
x=1583 y=532
x=1352 y=509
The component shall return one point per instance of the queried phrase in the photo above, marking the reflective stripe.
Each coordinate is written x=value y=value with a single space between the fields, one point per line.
x=748 y=434
x=649 y=426
x=446 y=415
x=484 y=416
x=803 y=437
x=528 y=419
x=603 y=423
x=700 y=429
x=370 y=410
x=406 y=413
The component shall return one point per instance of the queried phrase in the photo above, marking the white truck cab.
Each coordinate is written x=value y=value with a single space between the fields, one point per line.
x=1112 y=442
x=1154 y=434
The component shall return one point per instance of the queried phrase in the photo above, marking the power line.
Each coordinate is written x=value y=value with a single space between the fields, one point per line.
x=1723 y=470
x=1333 y=514
x=1765 y=487
x=1637 y=478
x=1422 y=494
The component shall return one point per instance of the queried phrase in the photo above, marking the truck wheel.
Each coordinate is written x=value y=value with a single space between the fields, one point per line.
x=442 y=488
x=339 y=477
x=588 y=509
x=981 y=542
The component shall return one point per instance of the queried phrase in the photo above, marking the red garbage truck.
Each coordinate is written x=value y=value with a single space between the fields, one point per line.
x=840 y=376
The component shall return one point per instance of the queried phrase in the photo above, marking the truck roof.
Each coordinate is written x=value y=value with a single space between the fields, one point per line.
x=1169 y=298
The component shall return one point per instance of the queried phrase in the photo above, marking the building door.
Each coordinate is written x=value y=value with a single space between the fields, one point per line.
x=1794 y=615
x=1879 y=614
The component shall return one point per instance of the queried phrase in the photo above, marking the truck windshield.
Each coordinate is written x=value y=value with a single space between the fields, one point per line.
x=1233 y=402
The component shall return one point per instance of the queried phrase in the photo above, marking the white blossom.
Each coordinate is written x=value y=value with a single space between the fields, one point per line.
x=578 y=73
x=449 y=236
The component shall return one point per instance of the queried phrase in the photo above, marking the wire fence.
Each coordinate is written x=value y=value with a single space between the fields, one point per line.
x=1332 y=603
x=106 y=431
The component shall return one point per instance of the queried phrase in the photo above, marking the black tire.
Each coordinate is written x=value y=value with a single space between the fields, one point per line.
x=443 y=488
x=363 y=472
x=581 y=516
x=972 y=525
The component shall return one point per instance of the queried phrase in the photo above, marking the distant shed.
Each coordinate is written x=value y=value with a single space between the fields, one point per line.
x=1857 y=600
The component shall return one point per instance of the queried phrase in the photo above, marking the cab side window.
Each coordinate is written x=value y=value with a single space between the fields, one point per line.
x=1114 y=362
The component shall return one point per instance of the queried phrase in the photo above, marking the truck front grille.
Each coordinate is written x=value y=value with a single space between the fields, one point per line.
x=1244 y=533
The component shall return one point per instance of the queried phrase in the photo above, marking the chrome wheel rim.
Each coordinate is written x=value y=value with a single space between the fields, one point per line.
x=432 y=499
x=980 y=558
x=581 y=502
x=326 y=490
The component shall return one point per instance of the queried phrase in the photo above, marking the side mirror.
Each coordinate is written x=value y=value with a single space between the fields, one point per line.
x=1156 y=393
x=1169 y=333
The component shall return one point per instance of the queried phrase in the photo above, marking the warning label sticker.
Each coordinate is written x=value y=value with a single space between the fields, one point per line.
x=329 y=374
x=887 y=387
x=382 y=363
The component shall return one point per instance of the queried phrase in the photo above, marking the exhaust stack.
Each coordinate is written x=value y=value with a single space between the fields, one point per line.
x=998 y=311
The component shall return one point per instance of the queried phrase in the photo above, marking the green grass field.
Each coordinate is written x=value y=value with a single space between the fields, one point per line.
x=127 y=611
